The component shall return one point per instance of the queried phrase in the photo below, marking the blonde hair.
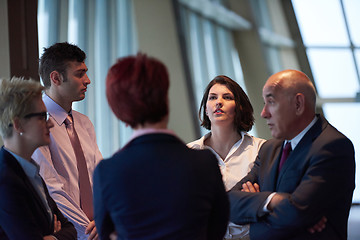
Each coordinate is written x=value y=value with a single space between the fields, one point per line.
x=16 y=98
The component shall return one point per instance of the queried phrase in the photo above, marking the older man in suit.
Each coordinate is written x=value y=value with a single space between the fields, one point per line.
x=283 y=197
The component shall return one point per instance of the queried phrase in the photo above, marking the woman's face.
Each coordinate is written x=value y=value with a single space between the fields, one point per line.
x=220 y=105
x=36 y=125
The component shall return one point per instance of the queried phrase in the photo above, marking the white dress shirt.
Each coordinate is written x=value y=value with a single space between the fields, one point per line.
x=58 y=165
x=234 y=167
x=238 y=161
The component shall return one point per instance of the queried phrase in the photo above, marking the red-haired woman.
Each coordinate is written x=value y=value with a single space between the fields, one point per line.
x=155 y=187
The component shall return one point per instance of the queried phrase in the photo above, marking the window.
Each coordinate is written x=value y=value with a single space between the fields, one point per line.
x=331 y=35
x=105 y=31
x=209 y=44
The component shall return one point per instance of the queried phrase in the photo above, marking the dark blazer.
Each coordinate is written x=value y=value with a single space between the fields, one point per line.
x=157 y=188
x=22 y=212
x=317 y=179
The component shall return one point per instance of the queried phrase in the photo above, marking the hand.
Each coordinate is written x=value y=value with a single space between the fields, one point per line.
x=57 y=224
x=277 y=198
x=113 y=236
x=91 y=229
x=49 y=237
x=319 y=226
x=57 y=227
x=249 y=187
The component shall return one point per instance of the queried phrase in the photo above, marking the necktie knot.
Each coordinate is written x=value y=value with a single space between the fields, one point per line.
x=68 y=120
x=287 y=147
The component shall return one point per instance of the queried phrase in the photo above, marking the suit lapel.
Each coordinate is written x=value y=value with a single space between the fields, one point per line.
x=274 y=167
x=298 y=155
x=270 y=168
x=13 y=163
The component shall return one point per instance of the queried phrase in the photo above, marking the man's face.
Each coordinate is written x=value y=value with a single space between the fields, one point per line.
x=75 y=82
x=278 y=111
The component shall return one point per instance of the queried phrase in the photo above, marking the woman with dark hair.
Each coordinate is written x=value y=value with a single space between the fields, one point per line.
x=226 y=111
x=155 y=187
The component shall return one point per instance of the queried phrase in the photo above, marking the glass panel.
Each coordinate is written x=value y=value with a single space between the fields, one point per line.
x=345 y=117
x=352 y=9
x=332 y=67
x=357 y=56
x=321 y=22
x=210 y=49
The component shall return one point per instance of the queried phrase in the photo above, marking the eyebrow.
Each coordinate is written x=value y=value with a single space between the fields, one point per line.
x=81 y=70
x=269 y=95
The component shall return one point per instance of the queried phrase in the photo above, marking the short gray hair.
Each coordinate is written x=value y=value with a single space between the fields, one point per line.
x=16 y=98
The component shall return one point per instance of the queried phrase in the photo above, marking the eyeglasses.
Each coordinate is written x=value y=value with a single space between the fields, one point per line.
x=44 y=115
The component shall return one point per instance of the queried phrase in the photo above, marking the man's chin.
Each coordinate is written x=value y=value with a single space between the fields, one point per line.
x=80 y=98
x=276 y=135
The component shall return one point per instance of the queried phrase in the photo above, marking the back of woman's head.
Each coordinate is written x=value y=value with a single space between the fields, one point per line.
x=137 y=90
x=16 y=98
x=244 y=112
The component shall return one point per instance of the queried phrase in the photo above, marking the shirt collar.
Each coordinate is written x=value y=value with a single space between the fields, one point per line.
x=141 y=132
x=55 y=110
x=236 y=145
x=31 y=168
x=297 y=139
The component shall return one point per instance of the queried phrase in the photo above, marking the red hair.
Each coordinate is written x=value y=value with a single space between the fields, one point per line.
x=137 y=89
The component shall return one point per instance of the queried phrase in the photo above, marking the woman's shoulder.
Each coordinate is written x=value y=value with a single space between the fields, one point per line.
x=199 y=143
x=255 y=141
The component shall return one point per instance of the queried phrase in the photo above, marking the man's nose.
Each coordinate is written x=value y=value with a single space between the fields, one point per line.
x=264 y=113
x=87 y=79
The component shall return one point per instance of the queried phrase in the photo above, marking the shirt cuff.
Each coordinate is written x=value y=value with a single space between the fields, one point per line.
x=265 y=209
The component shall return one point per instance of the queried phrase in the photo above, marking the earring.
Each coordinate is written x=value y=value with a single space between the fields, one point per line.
x=21 y=133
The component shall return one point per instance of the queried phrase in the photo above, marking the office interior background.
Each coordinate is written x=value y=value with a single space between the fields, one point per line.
x=247 y=40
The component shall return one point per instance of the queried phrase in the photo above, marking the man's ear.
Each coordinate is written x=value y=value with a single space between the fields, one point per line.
x=56 y=78
x=299 y=103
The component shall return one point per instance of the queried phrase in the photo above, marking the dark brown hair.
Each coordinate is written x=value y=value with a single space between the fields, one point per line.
x=57 y=58
x=244 y=112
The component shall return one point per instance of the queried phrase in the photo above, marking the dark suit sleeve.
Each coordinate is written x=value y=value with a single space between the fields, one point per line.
x=16 y=218
x=322 y=187
x=325 y=190
x=104 y=224
x=67 y=231
x=219 y=216
x=247 y=207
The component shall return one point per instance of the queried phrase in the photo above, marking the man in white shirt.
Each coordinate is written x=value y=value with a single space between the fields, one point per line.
x=63 y=72
x=288 y=198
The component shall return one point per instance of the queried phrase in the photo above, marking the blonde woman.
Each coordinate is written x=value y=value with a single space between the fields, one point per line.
x=26 y=209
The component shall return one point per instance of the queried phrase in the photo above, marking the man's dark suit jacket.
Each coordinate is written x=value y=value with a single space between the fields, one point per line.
x=158 y=188
x=318 y=178
x=22 y=212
